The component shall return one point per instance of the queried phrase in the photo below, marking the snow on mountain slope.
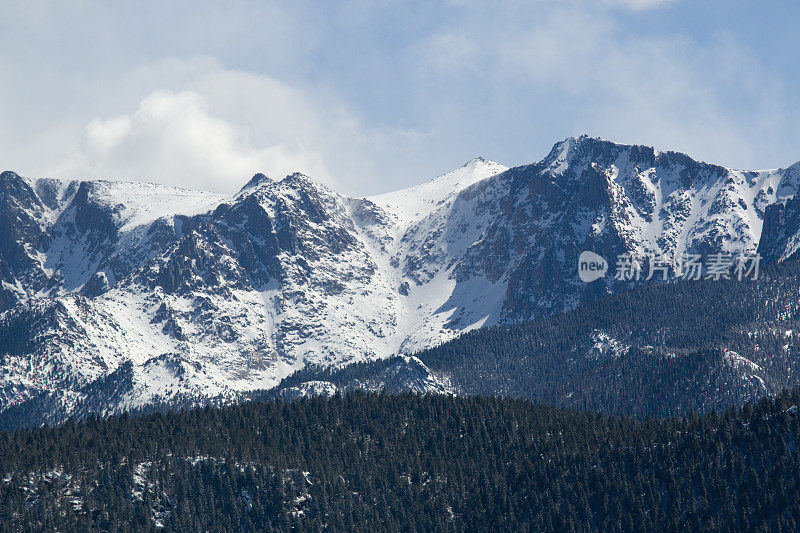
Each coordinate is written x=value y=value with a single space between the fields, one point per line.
x=118 y=295
x=86 y=227
x=143 y=203
x=590 y=194
x=414 y=203
x=178 y=304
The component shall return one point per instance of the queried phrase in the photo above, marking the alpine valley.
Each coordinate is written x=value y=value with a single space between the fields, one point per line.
x=119 y=296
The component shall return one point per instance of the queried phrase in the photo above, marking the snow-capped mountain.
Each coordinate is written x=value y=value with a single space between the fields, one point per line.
x=118 y=295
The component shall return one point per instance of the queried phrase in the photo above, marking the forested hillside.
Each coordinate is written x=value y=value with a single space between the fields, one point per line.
x=657 y=350
x=407 y=462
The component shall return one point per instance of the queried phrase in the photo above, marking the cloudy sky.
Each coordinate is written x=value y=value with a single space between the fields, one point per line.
x=369 y=97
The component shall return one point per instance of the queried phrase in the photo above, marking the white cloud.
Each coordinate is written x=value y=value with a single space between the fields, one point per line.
x=104 y=135
x=175 y=137
x=212 y=128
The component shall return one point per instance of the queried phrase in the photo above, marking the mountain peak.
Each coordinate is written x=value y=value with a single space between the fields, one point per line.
x=583 y=141
x=415 y=202
x=475 y=161
x=300 y=181
x=256 y=181
x=576 y=152
x=10 y=176
x=296 y=176
x=481 y=162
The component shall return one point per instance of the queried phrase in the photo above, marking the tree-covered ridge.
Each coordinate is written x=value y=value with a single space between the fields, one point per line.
x=657 y=350
x=407 y=462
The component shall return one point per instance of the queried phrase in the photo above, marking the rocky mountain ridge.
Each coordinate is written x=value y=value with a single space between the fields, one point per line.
x=160 y=294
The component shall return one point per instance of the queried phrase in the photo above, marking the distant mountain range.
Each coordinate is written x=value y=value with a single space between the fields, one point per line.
x=126 y=295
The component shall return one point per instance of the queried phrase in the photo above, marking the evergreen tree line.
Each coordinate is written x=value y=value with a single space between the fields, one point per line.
x=378 y=462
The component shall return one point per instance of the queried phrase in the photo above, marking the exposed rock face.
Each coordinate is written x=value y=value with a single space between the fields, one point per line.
x=171 y=294
x=780 y=239
x=21 y=237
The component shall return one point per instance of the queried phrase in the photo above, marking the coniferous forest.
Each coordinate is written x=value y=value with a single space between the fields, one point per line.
x=378 y=462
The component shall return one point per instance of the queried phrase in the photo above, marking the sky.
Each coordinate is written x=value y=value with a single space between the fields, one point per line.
x=369 y=97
